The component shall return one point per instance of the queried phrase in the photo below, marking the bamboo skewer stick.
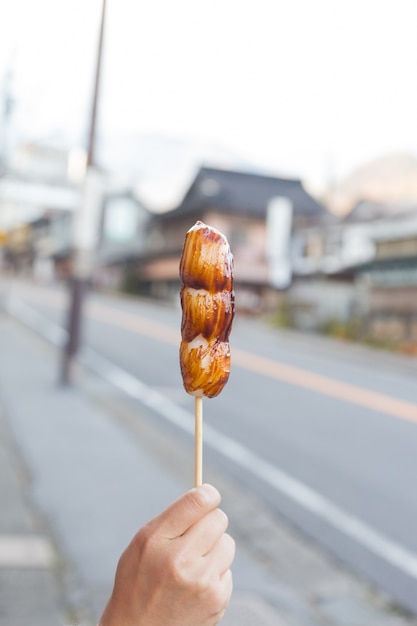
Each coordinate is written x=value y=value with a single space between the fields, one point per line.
x=198 y=467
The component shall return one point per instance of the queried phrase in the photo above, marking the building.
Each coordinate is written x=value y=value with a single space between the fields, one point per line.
x=37 y=201
x=239 y=204
x=122 y=240
x=362 y=267
x=37 y=180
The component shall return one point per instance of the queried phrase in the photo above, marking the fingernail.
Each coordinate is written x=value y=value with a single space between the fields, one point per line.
x=209 y=492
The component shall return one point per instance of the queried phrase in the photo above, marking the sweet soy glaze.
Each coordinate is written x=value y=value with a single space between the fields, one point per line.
x=207 y=301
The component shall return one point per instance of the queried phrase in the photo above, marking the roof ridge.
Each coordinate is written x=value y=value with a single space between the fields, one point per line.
x=241 y=173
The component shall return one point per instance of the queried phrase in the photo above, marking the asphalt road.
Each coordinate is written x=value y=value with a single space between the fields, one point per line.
x=325 y=432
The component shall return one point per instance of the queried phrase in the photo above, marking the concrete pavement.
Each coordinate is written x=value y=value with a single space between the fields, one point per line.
x=82 y=468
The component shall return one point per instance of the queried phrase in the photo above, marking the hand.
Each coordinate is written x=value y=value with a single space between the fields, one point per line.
x=176 y=570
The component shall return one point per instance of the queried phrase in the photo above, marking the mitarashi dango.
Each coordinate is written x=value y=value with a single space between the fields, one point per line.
x=207 y=301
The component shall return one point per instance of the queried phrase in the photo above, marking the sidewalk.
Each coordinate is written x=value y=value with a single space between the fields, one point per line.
x=66 y=479
x=80 y=471
x=28 y=565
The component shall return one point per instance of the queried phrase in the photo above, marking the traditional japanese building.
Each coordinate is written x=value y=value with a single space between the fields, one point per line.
x=257 y=213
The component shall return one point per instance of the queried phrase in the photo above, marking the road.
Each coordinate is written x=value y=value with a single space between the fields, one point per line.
x=326 y=433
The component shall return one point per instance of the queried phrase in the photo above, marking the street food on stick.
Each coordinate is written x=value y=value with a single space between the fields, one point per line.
x=207 y=301
x=208 y=306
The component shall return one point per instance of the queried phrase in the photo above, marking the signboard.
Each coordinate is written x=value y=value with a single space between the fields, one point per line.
x=278 y=236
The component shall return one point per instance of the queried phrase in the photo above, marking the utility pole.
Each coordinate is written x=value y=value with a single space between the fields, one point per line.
x=85 y=234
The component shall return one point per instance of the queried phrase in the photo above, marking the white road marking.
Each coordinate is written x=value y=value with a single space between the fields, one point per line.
x=306 y=497
x=36 y=320
x=279 y=480
x=25 y=551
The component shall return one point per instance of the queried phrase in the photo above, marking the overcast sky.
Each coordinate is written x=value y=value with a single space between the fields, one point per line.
x=310 y=88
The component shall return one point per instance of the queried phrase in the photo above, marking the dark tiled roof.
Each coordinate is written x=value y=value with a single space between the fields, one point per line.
x=243 y=193
x=368 y=211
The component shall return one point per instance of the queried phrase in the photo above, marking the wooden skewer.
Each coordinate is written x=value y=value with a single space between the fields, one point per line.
x=198 y=467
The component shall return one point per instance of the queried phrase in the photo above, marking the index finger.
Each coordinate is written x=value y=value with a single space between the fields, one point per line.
x=186 y=511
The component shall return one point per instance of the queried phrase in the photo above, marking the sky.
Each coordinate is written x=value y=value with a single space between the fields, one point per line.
x=305 y=88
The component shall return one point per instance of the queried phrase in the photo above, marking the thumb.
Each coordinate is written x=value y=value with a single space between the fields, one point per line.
x=186 y=511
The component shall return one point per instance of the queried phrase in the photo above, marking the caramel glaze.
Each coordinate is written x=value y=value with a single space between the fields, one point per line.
x=205 y=369
x=206 y=261
x=207 y=301
x=210 y=315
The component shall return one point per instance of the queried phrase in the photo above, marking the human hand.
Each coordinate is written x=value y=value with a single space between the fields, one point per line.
x=176 y=570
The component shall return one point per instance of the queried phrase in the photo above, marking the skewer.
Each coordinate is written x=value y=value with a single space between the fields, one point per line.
x=198 y=468
x=207 y=314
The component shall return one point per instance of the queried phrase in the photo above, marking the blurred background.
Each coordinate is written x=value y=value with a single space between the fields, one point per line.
x=291 y=127
x=314 y=104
